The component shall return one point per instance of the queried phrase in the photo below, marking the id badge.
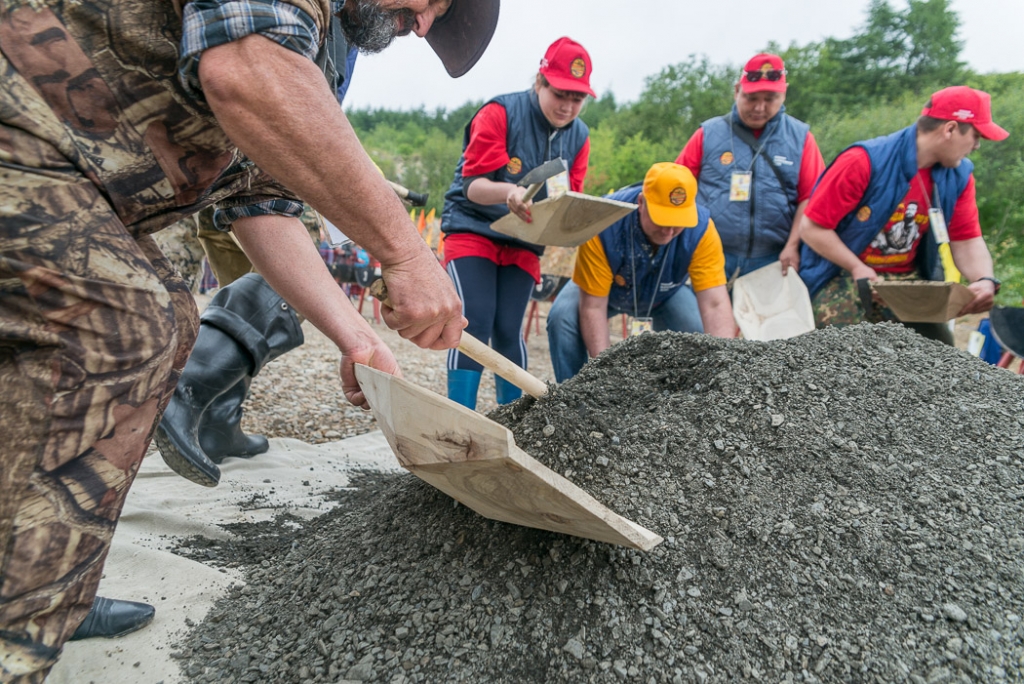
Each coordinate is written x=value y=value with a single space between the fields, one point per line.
x=557 y=185
x=938 y=224
x=739 y=189
x=638 y=326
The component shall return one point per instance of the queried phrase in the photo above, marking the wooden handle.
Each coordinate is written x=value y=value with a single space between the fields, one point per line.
x=482 y=354
x=531 y=191
x=499 y=365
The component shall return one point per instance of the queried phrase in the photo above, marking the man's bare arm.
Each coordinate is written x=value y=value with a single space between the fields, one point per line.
x=716 y=312
x=974 y=261
x=594 y=323
x=277 y=107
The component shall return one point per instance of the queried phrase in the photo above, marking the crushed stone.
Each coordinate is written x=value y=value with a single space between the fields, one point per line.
x=846 y=506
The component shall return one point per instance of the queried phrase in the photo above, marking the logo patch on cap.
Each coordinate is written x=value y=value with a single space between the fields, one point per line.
x=677 y=197
x=726 y=158
x=864 y=213
x=963 y=114
x=620 y=280
x=578 y=68
x=514 y=166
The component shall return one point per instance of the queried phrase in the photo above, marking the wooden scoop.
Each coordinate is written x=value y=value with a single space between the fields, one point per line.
x=482 y=354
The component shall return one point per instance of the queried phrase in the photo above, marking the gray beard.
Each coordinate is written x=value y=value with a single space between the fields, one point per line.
x=369 y=28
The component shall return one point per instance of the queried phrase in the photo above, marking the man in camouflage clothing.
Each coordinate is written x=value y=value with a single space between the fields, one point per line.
x=118 y=118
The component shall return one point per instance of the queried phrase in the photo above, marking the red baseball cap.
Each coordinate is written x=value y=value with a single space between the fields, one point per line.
x=566 y=65
x=762 y=73
x=965 y=105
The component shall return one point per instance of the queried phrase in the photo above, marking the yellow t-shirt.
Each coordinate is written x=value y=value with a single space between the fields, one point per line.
x=594 y=276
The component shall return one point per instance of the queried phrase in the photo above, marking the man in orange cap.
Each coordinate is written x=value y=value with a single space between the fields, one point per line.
x=884 y=205
x=756 y=166
x=639 y=266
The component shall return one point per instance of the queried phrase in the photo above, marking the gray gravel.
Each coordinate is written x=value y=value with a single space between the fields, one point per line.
x=845 y=506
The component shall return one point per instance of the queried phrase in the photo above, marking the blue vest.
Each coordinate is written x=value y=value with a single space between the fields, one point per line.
x=629 y=252
x=893 y=167
x=531 y=140
x=759 y=227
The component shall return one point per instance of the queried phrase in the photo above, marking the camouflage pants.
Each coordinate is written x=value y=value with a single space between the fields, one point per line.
x=839 y=304
x=95 y=327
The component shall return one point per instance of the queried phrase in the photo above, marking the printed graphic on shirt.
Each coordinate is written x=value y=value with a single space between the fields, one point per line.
x=514 y=166
x=863 y=214
x=895 y=246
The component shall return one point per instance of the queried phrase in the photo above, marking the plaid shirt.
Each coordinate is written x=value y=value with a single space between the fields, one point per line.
x=209 y=23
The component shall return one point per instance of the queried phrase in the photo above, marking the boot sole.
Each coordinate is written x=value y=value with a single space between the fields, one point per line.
x=177 y=462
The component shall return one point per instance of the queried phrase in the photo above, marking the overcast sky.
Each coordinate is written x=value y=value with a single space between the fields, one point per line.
x=629 y=41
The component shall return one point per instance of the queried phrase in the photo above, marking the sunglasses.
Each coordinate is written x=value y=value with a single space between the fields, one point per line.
x=771 y=75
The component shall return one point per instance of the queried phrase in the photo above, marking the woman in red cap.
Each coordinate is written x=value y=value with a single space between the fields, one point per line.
x=493 y=273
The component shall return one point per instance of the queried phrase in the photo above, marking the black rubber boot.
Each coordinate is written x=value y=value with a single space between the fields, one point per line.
x=220 y=434
x=246 y=325
x=111 y=618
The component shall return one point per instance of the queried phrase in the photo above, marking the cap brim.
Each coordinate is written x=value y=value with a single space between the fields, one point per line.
x=673 y=217
x=569 y=85
x=990 y=131
x=461 y=36
x=763 y=86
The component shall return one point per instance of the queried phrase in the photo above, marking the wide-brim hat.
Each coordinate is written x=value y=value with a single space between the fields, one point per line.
x=461 y=35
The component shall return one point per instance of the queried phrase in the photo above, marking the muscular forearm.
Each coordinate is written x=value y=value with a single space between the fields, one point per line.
x=280 y=249
x=594 y=323
x=716 y=312
x=276 y=106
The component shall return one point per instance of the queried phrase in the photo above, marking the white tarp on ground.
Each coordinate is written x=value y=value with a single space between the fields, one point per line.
x=163 y=508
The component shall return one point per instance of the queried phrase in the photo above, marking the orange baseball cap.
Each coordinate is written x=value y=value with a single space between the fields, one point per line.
x=965 y=105
x=670 y=191
x=566 y=65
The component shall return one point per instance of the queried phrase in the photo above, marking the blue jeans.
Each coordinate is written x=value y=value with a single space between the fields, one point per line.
x=565 y=340
x=734 y=261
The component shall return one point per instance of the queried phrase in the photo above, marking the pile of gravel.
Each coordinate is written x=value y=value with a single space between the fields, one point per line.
x=843 y=506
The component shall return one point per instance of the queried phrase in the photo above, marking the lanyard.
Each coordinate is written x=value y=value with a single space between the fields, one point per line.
x=632 y=264
x=763 y=141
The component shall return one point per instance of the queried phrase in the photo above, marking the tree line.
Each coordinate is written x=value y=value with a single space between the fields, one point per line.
x=871 y=84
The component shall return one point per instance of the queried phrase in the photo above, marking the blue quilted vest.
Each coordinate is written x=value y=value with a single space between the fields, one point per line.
x=893 y=167
x=531 y=140
x=759 y=227
x=625 y=237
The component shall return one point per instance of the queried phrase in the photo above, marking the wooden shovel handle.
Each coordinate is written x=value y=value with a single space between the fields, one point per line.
x=482 y=354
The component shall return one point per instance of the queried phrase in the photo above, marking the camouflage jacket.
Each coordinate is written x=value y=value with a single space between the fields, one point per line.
x=95 y=83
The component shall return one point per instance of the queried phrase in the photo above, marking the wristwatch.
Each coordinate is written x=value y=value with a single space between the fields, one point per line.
x=995 y=281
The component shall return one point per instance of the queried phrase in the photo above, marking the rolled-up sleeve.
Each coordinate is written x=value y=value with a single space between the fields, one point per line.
x=209 y=23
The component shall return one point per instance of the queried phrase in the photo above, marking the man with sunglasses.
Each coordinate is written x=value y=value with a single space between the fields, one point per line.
x=882 y=208
x=118 y=118
x=756 y=167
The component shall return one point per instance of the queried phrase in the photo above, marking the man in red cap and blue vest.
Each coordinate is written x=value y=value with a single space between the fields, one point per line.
x=882 y=208
x=756 y=167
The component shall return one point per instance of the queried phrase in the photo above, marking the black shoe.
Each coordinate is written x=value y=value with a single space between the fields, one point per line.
x=111 y=618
